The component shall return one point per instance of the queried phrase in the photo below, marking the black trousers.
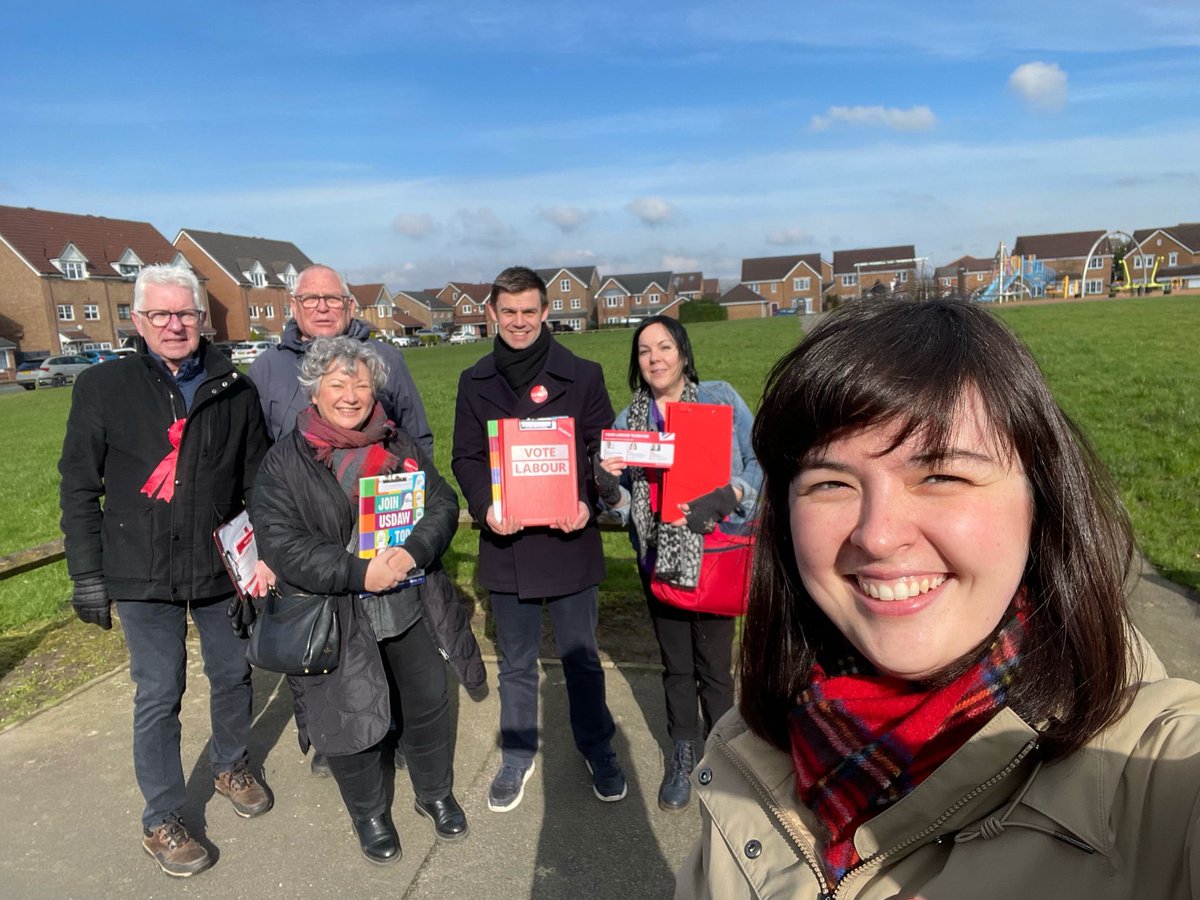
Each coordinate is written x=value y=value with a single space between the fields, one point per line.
x=697 y=658
x=417 y=676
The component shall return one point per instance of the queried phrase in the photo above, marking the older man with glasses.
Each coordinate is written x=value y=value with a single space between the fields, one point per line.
x=170 y=440
x=322 y=306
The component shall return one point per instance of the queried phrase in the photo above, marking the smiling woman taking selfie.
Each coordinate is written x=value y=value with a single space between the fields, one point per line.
x=941 y=692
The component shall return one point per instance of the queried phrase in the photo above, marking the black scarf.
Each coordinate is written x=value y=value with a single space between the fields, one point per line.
x=679 y=551
x=520 y=367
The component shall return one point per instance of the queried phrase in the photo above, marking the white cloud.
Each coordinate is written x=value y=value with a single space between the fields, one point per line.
x=482 y=227
x=417 y=226
x=1041 y=85
x=565 y=218
x=915 y=118
x=651 y=210
x=790 y=237
x=677 y=263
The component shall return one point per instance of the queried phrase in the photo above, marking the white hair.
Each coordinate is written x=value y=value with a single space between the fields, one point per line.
x=165 y=274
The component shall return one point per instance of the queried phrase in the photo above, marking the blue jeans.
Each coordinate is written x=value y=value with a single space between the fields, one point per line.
x=518 y=634
x=155 y=633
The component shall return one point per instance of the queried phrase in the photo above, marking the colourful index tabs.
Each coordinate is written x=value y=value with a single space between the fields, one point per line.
x=494 y=462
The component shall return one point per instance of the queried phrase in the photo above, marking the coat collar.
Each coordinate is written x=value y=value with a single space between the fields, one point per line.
x=558 y=374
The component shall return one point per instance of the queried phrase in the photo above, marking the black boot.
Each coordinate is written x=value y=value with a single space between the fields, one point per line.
x=378 y=839
x=449 y=820
x=675 y=792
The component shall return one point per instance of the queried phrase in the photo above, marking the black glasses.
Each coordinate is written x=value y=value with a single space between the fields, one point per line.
x=160 y=317
x=312 y=301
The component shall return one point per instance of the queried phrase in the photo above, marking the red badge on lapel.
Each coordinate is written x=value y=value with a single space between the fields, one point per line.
x=538 y=393
x=410 y=465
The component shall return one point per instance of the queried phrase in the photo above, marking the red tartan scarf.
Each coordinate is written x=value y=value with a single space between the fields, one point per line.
x=350 y=454
x=861 y=742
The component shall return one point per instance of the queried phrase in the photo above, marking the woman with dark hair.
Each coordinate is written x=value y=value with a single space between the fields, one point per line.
x=696 y=647
x=305 y=513
x=941 y=692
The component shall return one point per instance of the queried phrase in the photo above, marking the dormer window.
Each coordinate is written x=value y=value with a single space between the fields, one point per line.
x=73 y=269
x=289 y=277
x=128 y=270
x=257 y=275
x=129 y=264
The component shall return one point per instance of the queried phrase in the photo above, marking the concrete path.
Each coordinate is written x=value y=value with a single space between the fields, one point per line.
x=70 y=827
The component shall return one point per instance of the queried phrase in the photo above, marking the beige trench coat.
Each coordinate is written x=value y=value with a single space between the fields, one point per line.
x=1117 y=819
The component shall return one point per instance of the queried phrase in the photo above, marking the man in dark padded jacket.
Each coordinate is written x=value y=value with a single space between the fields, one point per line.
x=170 y=440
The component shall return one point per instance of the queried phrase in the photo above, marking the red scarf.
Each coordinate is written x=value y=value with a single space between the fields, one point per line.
x=349 y=453
x=861 y=742
x=161 y=483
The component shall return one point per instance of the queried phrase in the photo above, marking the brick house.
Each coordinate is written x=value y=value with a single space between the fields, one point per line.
x=977 y=274
x=571 y=291
x=790 y=282
x=711 y=288
x=856 y=272
x=468 y=302
x=66 y=280
x=375 y=307
x=743 y=302
x=627 y=299
x=1175 y=249
x=1067 y=254
x=689 y=285
x=250 y=280
x=425 y=308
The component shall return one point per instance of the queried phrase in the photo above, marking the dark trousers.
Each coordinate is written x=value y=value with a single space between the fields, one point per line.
x=155 y=633
x=518 y=635
x=417 y=676
x=697 y=658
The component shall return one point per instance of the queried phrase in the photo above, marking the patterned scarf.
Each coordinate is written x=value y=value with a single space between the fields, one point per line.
x=679 y=552
x=861 y=742
x=350 y=454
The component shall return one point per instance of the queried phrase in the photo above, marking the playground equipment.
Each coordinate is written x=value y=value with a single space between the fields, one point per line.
x=1015 y=278
x=1149 y=279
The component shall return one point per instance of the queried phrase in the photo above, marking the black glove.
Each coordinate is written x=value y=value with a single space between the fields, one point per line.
x=608 y=484
x=90 y=601
x=241 y=615
x=708 y=509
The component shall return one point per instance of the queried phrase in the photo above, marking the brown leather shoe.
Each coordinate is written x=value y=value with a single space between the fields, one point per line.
x=176 y=852
x=249 y=798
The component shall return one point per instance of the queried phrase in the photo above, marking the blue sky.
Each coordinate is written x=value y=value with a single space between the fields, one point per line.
x=417 y=142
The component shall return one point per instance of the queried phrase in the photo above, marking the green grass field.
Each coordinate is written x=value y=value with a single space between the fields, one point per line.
x=1126 y=370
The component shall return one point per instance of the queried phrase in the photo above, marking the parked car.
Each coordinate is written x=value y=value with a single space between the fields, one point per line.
x=404 y=340
x=52 y=371
x=101 y=355
x=225 y=347
x=464 y=337
x=125 y=351
x=248 y=351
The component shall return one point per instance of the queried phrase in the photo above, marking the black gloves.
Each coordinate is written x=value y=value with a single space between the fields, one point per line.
x=708 y=509
x=241 y=615
x=90 y=601
x=608 y=484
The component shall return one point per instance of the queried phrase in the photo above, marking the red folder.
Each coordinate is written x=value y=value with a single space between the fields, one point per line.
x=534 y=475
x=703 y=453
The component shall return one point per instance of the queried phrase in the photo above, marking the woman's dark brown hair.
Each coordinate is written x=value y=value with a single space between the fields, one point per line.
x=910 y=365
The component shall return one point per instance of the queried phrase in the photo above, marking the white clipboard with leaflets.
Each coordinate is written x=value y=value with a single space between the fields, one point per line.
x=235 y=540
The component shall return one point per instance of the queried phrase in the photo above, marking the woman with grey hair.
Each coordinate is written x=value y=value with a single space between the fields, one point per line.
x=305 y=512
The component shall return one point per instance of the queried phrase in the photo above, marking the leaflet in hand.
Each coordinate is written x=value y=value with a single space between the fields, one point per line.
x=235 y=540
x=648 y=449
x=389 y=506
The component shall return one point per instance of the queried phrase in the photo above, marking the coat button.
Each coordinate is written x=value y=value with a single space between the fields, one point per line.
x=705 y=775
x=753 y=849
x=174 y=537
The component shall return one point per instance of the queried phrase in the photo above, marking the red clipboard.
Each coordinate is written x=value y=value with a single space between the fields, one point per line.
x=534 y=475
x=703 y=453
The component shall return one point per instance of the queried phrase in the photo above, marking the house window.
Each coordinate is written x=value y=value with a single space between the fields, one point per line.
x=849 y=280
x=903 y=277
x=66 y=312
x=637 y=299
x=773 y=287
x=1096 y=262
x=564 y=285
x=576 y=323
x=753 y=286
x=128 y=270
x=123 y=312
x=258 y=279
x=91 y=312
x=1173 y=259
x=1137 y=261
x=612 y=302
x=254 y=312
x=268 y=312
x=576 y=303
x=653 y=298
x=558 y=305
x=73 y=269
x=800 y=284
x=289 y=278
x=1093 y=287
